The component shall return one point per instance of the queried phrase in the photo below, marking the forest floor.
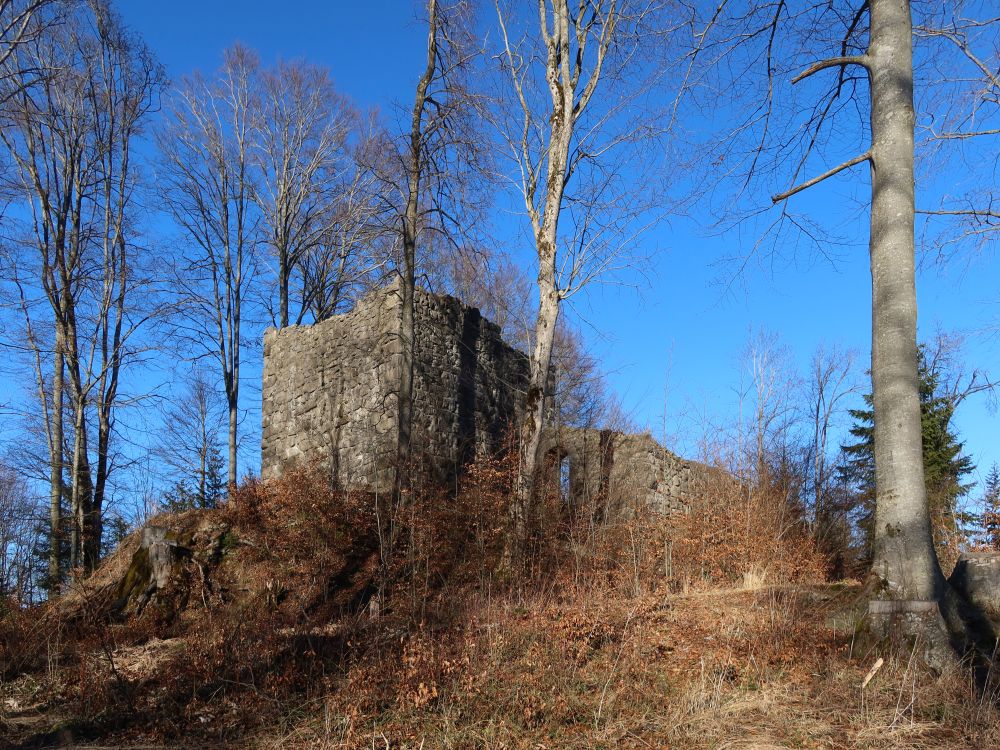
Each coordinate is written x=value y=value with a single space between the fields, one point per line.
x=282 y=622
x=774 y=667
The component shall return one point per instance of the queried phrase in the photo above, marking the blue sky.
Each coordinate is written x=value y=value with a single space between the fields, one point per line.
x=673 y=342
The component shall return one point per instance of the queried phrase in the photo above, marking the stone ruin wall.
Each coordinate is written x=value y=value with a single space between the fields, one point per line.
x=328 y=396
x=324 y=394
x=329 y=389
x=623 y=470
x=468 y=384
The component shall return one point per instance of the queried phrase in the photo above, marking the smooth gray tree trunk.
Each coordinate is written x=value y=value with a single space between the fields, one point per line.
x=533 y=419
x=545 y=222
x=904 y=559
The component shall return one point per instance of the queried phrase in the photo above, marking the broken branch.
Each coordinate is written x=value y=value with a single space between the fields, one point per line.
x=816 y=180
x=832 y=62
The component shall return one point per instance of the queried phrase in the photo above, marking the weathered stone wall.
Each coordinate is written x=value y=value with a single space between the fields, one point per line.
x=329 y=389
x=326 y=393
x=329 y=396
x=618 y=469
x=468 y=383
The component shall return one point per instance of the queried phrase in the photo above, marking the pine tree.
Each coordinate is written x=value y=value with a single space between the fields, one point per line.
x=990 y=518
x=945 y=466
x=206 y=492
x=856 y=469
x=215 y=482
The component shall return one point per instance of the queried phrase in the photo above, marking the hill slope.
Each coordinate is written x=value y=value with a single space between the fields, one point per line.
x=281 y=621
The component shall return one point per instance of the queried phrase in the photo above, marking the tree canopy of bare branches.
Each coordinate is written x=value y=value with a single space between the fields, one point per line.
x=837 y=87
x=570 y=115
x=78 y=286
x=22 y=22
x=301 y=130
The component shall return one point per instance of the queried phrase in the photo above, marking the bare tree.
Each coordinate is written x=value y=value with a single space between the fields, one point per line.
x=301 y=153
x=206 y=178
x=565 y=142
x=189 y=444
x=829 y=383
x=865 y=82
x=904 y=559
x=21 y=525
x=125 y=90
x=54 y=186
x=426 y=185
x=70 y=138
x=769 y=391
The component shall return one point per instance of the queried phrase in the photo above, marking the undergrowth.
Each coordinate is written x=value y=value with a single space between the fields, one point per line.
x=309 y=617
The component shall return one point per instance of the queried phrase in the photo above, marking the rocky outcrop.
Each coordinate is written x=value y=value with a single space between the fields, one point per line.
x=193 y=540
x=977 y=577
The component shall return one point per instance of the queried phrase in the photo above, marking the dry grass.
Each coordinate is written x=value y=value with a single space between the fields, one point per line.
x=722 y=669
x=276 y=644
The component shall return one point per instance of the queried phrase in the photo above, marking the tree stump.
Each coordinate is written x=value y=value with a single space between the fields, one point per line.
x=149 y=572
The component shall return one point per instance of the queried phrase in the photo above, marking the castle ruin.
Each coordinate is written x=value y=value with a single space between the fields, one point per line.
x=329 y=397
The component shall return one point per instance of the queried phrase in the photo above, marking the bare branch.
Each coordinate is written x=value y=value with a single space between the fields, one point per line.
x=816 y=180
x=962 y=136
x=833 y=62
x=959 y=40
x=975 y=213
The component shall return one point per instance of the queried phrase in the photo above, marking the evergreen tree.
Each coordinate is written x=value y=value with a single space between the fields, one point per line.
x=856 y=469
x=42 y=546
x=116 y=529
x=990 y=519
x=944 y=463
x=206 y=491
x=180 y=497
x=945 y=466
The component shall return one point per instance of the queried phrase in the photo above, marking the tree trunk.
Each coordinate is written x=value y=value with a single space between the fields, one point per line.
x=534 y=411
x=232 y=399
x=283 y=273
x=546 y=225
x=100 y=482
x=407 y=327
x=82 y=492
x=408 y=273
x=233 y=380
x=203 y=471
x=56 y=468
x=904 y=558
x=107 y=385
x=405 y=397
x=107 y=389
